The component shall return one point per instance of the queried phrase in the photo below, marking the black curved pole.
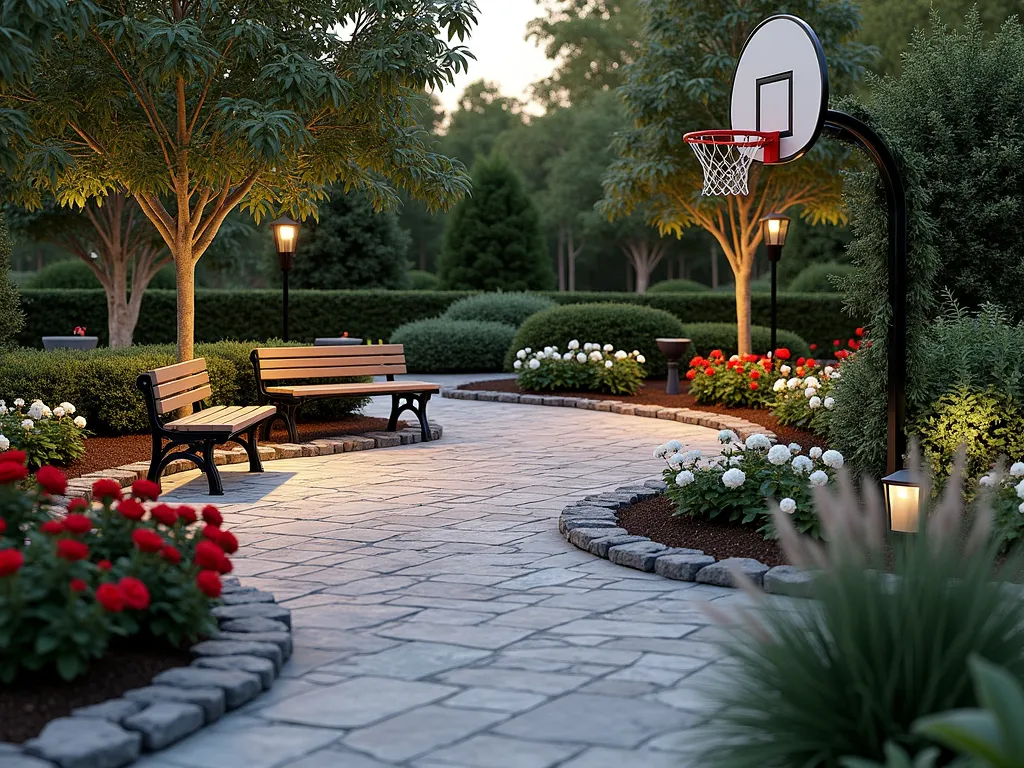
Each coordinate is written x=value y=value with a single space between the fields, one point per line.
x=848 y=128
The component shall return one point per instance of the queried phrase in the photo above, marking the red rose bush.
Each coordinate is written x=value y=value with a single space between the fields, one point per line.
x=737 y=382
x=111 y=568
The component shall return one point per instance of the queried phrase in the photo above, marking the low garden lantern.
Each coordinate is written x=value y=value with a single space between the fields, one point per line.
x=903 y=501
x=286 y=237
x=774 y=228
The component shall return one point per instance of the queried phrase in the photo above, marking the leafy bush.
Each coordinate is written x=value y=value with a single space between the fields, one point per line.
x=592 y=368
x=822 y=278
x=46 y=436
x=621 y=325
x=737 y=382
x=737 y=483
x=678 y=286
x=74 y=274
x=105 y=569
x=509 y=308
x=442 y=345
x=849 y=671
x=12 y=319
x=723 y=336
x=419 y=280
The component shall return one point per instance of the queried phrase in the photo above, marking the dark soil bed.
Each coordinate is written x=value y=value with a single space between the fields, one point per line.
x=34 y=700
x=653 y=518
x=653 y=393
x=108 y=452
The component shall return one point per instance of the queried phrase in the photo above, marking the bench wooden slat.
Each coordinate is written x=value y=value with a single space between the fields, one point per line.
x=205 y=415
x=372 y=388
x=223 y=419
x=181 y=385
x=177 y=371
x=273 y=353
x=174 y=402
x=329 y=373
x=330 y=362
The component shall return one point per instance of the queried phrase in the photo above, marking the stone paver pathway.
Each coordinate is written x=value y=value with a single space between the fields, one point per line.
x=440 y=619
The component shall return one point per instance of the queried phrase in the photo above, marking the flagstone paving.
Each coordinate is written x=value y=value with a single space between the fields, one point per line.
x=440 y=620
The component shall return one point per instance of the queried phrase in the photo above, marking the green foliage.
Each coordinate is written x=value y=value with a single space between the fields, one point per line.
x=795 y=404
x=809 y=244
x=493 y=239
x=443 y=345
x=623 y=326
x=509 y=308
x=351 y=246
x=743 y=383
x=590 y=367
x=418 y=280
x=74 y=274
x=482 y=117
x=823 y=278
x=953 y=93
x=678 y=286
x=710 y=336
x=51 y=438
x=11 y=317
x=811 y=685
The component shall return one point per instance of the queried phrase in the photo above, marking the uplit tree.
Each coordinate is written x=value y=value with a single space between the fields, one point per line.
x=196 y=107
x=680 y=82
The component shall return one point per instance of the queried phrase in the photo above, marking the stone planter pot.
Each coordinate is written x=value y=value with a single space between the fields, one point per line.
x=337 y=341
x=673 y=349
x=70 y=342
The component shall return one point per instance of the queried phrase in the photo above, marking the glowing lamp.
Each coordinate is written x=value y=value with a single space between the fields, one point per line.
x=902 y=501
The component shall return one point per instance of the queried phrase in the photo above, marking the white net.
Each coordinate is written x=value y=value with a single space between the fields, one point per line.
x=726 y=165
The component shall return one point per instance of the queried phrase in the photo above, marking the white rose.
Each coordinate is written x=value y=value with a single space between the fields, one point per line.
x=812 y=381
x=787 y=505
x=608 y=348
x=795 y=447
x=684 y=478
x=27 y=424
x=548 y=350
x=4 y=443
x=641 y=359
x=521 y=354
x=836 y=375
x=535 y=364
x=580 y=357
x=18 y=403
x=987 y=480
x=587 y=347
x=778 y=455
x=47 y=413
x=1017 y=470
x=574 y=344
x=596 y=356
x=818 y=479
x=833 y=459
x=810 y=392
x=36 y=411
x=58 y=412
x=830 y=403
x=691 y=457
x=828 y=370
x=735 y=461
x=815 y=452
x=785 y=370
x=733 y=478
x=554 y=347
x=621 y=355
x=608 y=363
x=794 y=383
x=517 y=364
x=635 y=352
x=1020 y=490
x=80 y=422
x=3 y=410
x=567 y=356
x=68 y=408
x=814 y=402
x=758 y=442
x=674 y=445
x=779 y=385
x=1021 y=508
x=728 y=436
x=802 y=465
x=661 y=452
x=528 y=350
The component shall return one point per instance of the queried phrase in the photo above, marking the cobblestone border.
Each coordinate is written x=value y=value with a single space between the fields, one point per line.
x=242 y=660
x=592 y=524
x=81 y=487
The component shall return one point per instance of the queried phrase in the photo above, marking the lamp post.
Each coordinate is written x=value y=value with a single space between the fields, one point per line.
x=286 y=237
x=774 y=228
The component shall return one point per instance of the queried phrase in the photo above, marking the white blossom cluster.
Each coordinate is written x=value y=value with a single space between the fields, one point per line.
x=576 y=353
x=1014 y=478
x=25 y=418
x=809 y=385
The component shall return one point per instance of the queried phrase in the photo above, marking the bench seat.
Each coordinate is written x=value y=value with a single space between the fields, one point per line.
x=360 y=390
x=222 y=418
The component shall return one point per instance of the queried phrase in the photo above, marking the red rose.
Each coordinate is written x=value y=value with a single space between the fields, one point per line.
x=170 y=554
x=766 y=364
x=782 y=353
x=716 y=354
x=136 y=596
x=77 y=504
x=811 y=362
x=18 y=457
x=72 y=550
x=131 y=509
x=104 y=565
x=164 y=513
x=110 y=597
x=3 y=526
x=52 y=480
x=697 y=362
x=146 y=490
x=799 y=370
x=208 y=555
x=859 y=332
x=211 y=533
x=801 y=360
x=77 y=523
x=106 y=489
x=835 y=343
x=691 y=375
x=813 y=347
x=755 y=375
x=187 y=514
x=147 y=540
x=77 y=585
x=52 y=527
x=209 y=583
x=10 y=561
x=212 y=516
x=228 y=542
x=12 y=472
x=709 y=371
x=854 y=345
x=224 y=565
x=842 y=354
x=753 y=385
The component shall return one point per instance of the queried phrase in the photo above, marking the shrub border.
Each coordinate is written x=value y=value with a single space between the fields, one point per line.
x=592 y=523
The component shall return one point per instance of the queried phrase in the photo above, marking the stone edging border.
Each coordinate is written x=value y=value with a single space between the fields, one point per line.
x=81 y=487
x=235 y=666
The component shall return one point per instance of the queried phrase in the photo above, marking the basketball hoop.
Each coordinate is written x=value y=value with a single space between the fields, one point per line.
x=725 y=156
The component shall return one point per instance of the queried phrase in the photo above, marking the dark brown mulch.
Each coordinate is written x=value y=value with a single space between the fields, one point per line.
x=108 y=452
x=653 y=393
x=34 y=700
x=653 y=518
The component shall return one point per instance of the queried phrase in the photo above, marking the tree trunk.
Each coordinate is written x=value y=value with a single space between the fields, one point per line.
x=644 y=258
x=714 y=266
x=629 y=277
x=743 y=311
x=185 y=277
x=560 y=257
x=120 y=327
x=572 y=252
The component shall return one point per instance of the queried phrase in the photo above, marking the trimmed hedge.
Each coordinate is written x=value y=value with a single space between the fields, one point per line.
x=678 y=286
x=443 y=345
x=709 y=336
x=818 y=278
x=101 y=383
x=75 y=274
x=818 y=318
x=624 y=326
x=509 y=308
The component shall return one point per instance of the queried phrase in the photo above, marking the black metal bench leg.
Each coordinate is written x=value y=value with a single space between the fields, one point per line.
x=396 y=408
x=158 y=454
x=421 y=412
x=212 y=472
x=252 y=449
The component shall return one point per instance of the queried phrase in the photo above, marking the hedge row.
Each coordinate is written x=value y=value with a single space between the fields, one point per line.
x=818 y=318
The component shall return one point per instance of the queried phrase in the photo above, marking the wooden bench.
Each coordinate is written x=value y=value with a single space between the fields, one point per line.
x=276 y=365
x=176 y=386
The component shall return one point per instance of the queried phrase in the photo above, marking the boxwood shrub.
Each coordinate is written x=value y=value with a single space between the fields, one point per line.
x=678 y=286
x=625 y=326
x=723 y=336
x=820 y=278
x=442 y=345
x=509 y=308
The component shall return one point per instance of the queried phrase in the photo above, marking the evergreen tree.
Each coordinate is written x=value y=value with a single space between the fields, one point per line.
x=11 y=318
x=351 y=247
x=493 y=239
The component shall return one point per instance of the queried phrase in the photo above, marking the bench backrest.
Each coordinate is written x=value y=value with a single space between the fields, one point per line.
x=175 y=386
x=279 y=363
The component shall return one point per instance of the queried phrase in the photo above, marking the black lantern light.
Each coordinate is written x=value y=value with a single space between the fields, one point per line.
x=903 y=501
x=286 y=238
x=774 y=228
